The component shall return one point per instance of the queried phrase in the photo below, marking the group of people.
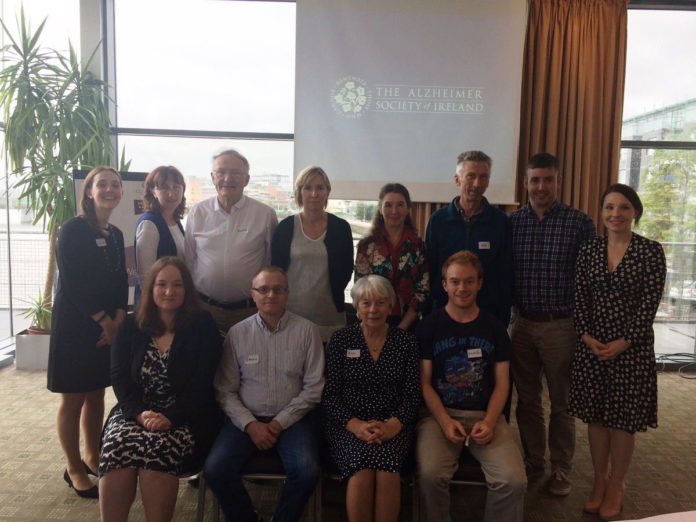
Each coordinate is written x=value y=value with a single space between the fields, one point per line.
x=426 y=369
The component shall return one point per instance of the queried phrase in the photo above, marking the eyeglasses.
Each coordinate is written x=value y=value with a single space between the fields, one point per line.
x=277 y=290
x=223 y=173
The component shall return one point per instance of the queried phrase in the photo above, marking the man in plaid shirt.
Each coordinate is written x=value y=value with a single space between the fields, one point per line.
x=546 y=238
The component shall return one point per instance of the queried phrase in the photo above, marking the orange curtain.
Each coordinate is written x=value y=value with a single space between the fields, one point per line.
x=572 y=94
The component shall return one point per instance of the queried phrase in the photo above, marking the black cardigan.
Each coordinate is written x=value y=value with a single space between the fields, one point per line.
x=193 y=360
x=339 y=248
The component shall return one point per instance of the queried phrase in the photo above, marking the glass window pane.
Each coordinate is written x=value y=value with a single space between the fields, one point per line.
x=666 y=182
x=270 y=164
x=660 y=92
x=206 y=65
x=63 y=20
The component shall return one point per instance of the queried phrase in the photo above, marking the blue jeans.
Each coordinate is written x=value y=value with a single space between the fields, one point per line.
x=297 y=448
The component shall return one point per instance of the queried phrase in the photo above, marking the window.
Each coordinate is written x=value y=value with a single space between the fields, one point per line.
x=658 y=158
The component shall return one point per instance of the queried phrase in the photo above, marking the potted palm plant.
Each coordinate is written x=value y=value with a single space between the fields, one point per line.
x=31 y=348
x=56 y=120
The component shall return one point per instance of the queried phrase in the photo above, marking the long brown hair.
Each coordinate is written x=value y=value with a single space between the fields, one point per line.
x=147 y=317
x=378 y=219
x=87 y=210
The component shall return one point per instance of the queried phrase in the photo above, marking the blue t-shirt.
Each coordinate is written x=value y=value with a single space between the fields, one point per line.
x=464 y=357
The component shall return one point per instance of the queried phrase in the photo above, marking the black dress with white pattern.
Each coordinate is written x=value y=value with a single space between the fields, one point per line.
x=126 y=444
x=619 y=393
x=358 y=386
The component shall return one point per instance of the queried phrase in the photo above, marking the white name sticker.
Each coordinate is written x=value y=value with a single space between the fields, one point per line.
x=484 y=245
x=101 y=242
x=353 y=354
x=474 y=353
x=252 y=359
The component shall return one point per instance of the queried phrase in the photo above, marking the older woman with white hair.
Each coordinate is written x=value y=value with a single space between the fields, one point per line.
x=371 y=399
x=315 y=248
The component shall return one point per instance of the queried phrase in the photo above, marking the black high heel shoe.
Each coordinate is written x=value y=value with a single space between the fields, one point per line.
x=92 y=492
x=88 y=470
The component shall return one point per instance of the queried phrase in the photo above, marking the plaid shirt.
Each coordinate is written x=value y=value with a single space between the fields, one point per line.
x=544 y=253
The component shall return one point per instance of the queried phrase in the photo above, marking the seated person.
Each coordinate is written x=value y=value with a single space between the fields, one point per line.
x=371 y=402
x=163 y=361
x=465 y=354
x=270 y=377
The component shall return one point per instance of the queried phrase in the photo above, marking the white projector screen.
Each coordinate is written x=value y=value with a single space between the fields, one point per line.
x=394 y=90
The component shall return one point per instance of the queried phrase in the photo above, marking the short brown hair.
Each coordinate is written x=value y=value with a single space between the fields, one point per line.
x=303 y=178
x=463 y=257
x=147 y=317
x=158 y=177
x=475 y=155
x=270 y=268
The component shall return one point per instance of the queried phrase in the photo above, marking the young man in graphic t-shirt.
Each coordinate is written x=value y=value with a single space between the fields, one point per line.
x=465 y=354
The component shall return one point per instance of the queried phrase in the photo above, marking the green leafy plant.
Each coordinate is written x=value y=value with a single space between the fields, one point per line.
x=39 y=312
x=56 y=120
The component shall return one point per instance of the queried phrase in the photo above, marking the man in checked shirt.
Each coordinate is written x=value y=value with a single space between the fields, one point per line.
x=270 y=377
x=546 y=238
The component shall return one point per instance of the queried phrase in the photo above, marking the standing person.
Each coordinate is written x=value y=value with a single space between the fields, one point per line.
x=163 y=363
x=465 y=354
x=546 y=238
x=270 y=378
x=228 y=238
x=471 y=223
x=371 y=402
x=316 y=249
x=159 y=232
x=89 y=305
x=394 y=250
x=619 y=283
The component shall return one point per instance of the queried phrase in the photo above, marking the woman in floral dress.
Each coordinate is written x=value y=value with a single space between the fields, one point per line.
x=394 y=250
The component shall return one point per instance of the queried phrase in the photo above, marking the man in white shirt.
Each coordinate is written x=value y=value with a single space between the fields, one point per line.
x=228 y=238
x=270 y=377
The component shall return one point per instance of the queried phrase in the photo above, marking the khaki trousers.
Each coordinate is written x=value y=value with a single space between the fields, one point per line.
x=500 y=460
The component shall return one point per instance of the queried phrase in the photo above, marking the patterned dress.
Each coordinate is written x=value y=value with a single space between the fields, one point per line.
x=126 y=444
x=358 y=386
x=404 y=265
x=619 y=393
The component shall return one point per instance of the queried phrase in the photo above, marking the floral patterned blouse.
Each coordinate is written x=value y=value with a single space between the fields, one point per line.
x=404 y=265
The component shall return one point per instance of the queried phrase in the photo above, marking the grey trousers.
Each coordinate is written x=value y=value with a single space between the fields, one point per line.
x=500 y=460
x=544 y=349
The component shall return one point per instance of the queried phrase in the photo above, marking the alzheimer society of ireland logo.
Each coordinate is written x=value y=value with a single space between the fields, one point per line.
x=350 y=97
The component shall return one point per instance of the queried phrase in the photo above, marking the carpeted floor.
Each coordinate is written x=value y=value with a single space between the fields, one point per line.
x=662 y=478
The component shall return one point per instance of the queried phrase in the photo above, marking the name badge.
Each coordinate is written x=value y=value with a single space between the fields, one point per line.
x=474 y=353
x=353 y=354
x=101 y=242
x=484 y=245
x=252 y=359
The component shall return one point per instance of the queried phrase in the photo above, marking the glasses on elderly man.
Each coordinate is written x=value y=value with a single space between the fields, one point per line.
x=265 y=290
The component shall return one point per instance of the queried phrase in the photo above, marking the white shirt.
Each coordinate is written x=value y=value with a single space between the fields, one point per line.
x=265 y=373
x=147 y=237
x=224 y=251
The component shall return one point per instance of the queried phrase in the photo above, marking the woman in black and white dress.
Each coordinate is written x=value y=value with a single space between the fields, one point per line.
x=162 y=368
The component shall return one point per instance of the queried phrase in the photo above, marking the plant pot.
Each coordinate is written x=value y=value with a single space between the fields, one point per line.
x=31 y=351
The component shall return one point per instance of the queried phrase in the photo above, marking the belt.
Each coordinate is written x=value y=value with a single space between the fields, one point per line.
x=228 y=305
x=544 y=317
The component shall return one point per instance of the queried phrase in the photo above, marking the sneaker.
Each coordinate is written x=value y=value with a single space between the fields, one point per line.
x=532 y=471
x=559 y=483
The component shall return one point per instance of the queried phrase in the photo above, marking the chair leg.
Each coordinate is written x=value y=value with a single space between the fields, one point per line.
x=415 y=500
x=200 y=511
x=317 y=499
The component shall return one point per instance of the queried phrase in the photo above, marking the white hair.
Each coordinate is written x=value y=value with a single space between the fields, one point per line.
x=373 y=284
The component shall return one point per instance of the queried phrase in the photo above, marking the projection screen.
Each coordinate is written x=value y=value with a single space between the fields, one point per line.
x=394 y=90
